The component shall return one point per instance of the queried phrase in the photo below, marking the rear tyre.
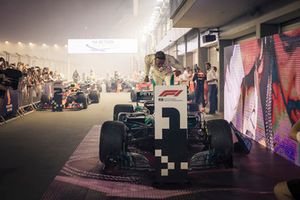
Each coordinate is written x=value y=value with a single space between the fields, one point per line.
x=122 y=108
x=112 y=140
x=133 y=96
x=221 y=141
x=83 y=100
x=45 y=101
x=94 y=96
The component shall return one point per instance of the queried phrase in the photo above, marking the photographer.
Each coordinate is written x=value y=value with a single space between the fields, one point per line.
x=3 y=79
x=3 y=86
x=2 y=63
x=9 y=77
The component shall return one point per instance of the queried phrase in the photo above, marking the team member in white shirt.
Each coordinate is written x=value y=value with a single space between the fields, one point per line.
x=212 y=81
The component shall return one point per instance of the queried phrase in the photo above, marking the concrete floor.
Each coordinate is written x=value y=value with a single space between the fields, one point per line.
x=33 y=150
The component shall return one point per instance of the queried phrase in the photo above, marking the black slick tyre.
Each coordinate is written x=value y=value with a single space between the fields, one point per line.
x=122 y=108
x=112 y=137
x=221 y=140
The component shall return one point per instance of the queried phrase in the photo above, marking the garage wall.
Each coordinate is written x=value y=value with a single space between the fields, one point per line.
x=172 y=51
x=180 y=58
x=213 y=56
x=195 y=57
x=189 y=59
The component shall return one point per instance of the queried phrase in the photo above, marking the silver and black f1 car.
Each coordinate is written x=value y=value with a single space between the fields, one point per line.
x=128 y=142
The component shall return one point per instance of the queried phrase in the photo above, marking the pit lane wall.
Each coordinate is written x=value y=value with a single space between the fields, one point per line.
x=262 y=90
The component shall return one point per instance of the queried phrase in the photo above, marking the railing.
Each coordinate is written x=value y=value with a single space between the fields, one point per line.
x=18 y=102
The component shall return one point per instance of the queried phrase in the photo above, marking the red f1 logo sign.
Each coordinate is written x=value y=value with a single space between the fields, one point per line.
x=170 y=93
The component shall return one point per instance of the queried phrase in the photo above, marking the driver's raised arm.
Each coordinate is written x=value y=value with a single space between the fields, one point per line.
x=149 y=59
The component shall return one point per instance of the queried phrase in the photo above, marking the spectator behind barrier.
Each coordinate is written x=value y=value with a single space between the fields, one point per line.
x=9 y=77
x=29 y=81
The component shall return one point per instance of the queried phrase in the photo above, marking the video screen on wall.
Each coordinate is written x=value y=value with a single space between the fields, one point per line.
x=92 y=46
x=262 y=90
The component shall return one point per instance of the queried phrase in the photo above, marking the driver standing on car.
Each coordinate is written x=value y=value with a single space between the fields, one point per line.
x=162 y=68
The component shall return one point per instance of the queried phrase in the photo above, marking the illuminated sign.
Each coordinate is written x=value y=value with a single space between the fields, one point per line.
x=90 y=46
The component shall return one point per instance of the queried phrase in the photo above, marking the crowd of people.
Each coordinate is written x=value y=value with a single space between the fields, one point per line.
x=33 y=80
x=117 y=82
x=203 y=82
x=159 y=67
x=200 y=81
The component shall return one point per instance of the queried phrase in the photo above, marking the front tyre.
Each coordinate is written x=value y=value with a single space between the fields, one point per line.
x=133 y=96
x=112 y=140
x=221 y=141
x=83 y=100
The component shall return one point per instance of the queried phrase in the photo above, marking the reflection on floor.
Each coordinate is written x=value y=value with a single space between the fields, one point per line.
x=252 y=177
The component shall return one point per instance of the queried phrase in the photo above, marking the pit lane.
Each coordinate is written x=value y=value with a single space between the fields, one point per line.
x=35 y=152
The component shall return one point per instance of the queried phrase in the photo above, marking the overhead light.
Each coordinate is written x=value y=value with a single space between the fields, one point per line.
x=66 y=46
x=31 y=44
x=44 y=45
x=19 y=43
x=55 y=45
x=6 y=42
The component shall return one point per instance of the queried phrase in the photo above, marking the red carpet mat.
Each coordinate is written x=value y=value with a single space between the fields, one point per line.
x=81 y=178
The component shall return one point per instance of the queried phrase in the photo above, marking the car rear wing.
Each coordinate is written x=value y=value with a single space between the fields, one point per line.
x=144 y=96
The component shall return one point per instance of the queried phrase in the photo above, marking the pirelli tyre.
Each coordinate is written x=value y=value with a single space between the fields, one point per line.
x=45 y=99
x=221 y=141
x=112 y=137
x=94 y=96
x=133 y=96
x=122 y=108
x=83 y=100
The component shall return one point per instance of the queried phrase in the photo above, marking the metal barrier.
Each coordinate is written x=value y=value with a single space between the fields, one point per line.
x=16 y=103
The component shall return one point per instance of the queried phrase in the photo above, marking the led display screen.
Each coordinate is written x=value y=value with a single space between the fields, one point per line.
x=91 y=46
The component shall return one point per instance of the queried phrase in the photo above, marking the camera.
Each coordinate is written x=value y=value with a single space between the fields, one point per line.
x=9 y=78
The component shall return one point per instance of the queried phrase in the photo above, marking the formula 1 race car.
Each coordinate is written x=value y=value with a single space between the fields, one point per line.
x=140 y=87
x=71 y=97
x=135 y=141
x=92 y=92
